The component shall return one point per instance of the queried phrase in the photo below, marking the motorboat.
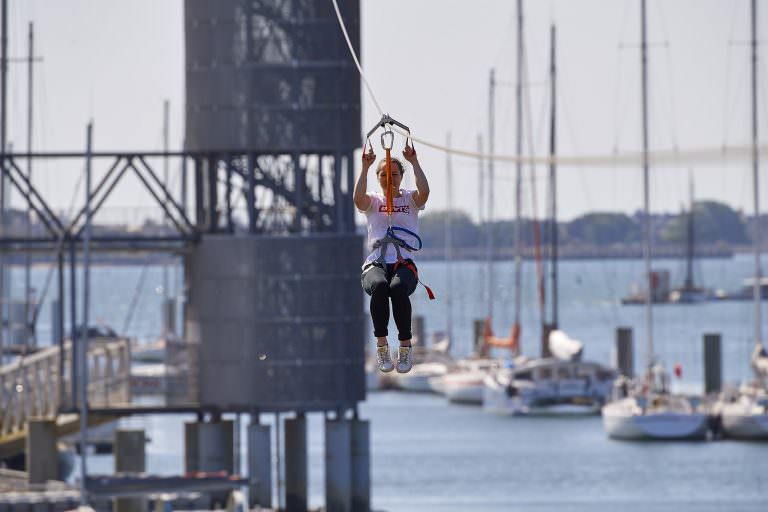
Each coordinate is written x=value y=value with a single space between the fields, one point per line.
x=417 y=380
x=464 y=384
x=548 y=386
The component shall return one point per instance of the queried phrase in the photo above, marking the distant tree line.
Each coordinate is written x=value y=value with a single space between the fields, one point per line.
x=714 y=223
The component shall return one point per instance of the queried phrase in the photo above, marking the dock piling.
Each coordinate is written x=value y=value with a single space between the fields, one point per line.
x=478 y=330
x=42 y=456
x=209 y=447
x=712 y=363
x=296 y=464
x=624 y=352
x=361 y=465
x=338 y=465
x=130 y=457
x=419 y=332
x=259 y=464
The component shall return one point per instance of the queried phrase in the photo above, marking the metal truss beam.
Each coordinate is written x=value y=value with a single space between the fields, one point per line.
x=279 y=192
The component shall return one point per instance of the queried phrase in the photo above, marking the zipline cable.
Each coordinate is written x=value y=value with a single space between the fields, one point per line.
x=354 y=57
x=701 y=155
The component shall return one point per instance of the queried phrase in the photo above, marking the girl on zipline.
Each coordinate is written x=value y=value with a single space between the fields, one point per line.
x=384 y=276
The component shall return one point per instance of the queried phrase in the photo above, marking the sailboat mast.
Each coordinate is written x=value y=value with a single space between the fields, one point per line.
x=688 y=285
x=646 y=190
x=480 y=206
x=553 y=174
x=30 y=96
x=489 y=226
x=519 y=166
x=756 y=289
x=449 y=240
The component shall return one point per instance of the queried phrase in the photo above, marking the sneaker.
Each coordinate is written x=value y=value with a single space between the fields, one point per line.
x=384 y=360
x=404 y=360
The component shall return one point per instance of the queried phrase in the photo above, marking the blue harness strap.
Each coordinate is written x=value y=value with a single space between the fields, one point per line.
x=392 y=239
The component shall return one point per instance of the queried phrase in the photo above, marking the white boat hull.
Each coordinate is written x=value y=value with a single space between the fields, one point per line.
x=622 y=423
x=744 y=419
x=436 y=384
x=497 y=401
x=465 y=385
x=465 y=394
x=413 y=383
x=745 y=426
x=464 y=390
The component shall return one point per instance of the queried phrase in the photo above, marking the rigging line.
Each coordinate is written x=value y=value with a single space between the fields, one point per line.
x=354 y=57
x=617 y=99
x=728 y=51
x=617 y=93
x=669 y=74
x=134 y=299
x=535 y=226
x=670 y=79
x=59 y=247
x=630 y=158
x=626 y=159
x=740 y=86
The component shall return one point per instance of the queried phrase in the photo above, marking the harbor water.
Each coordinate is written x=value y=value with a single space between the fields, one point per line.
x=428 y=455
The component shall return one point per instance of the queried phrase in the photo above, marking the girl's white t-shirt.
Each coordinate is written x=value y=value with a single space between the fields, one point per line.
x=405 y=214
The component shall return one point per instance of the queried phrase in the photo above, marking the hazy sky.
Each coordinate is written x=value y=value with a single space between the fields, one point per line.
x=428 y=62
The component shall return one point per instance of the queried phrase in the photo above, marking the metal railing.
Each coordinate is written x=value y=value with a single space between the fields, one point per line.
x=32 y=386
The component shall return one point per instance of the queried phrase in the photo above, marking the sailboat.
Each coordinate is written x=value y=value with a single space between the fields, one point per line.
x=744 y=415
x=648 y=410
x=559 y=382
x=689 y=293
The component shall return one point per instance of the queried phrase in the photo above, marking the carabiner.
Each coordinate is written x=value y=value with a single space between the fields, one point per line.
x=388 y=132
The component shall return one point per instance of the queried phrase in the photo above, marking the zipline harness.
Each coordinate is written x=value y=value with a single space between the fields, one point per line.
x=391 y=238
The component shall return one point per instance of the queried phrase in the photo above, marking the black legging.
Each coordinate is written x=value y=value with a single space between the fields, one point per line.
x=382 y=285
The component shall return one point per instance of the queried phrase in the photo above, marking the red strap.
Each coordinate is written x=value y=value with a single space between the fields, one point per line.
x=410 y=266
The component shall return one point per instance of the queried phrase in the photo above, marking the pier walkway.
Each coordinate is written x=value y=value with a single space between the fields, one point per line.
x=40 y=386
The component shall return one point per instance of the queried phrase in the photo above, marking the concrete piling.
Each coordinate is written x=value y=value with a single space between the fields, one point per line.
x=296 y=478
x=624 y=352
x=42 y=455
x=130 y=453
x=130 y=457
x=713 y=363
x=338 y=465
x=361 y=465
x=260 y=465
x=478 y=331
x=169 y=317
x=418 y=330
x=209 y=447
x=545 y=332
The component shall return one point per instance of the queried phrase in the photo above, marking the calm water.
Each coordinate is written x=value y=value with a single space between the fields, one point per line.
x=428 y=455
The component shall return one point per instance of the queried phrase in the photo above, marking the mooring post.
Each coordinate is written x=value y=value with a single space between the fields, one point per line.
x=338 y=465
x=419 y=332
x=130 y=457
x=41 y=453
x=208 y=448
x=713 y=363
x=361 y=465
x=259 y=463
x=296 y=464
x=624 y=352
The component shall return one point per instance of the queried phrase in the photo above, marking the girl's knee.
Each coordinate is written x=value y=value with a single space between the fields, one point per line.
x=378 y=287
x=398 y=290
